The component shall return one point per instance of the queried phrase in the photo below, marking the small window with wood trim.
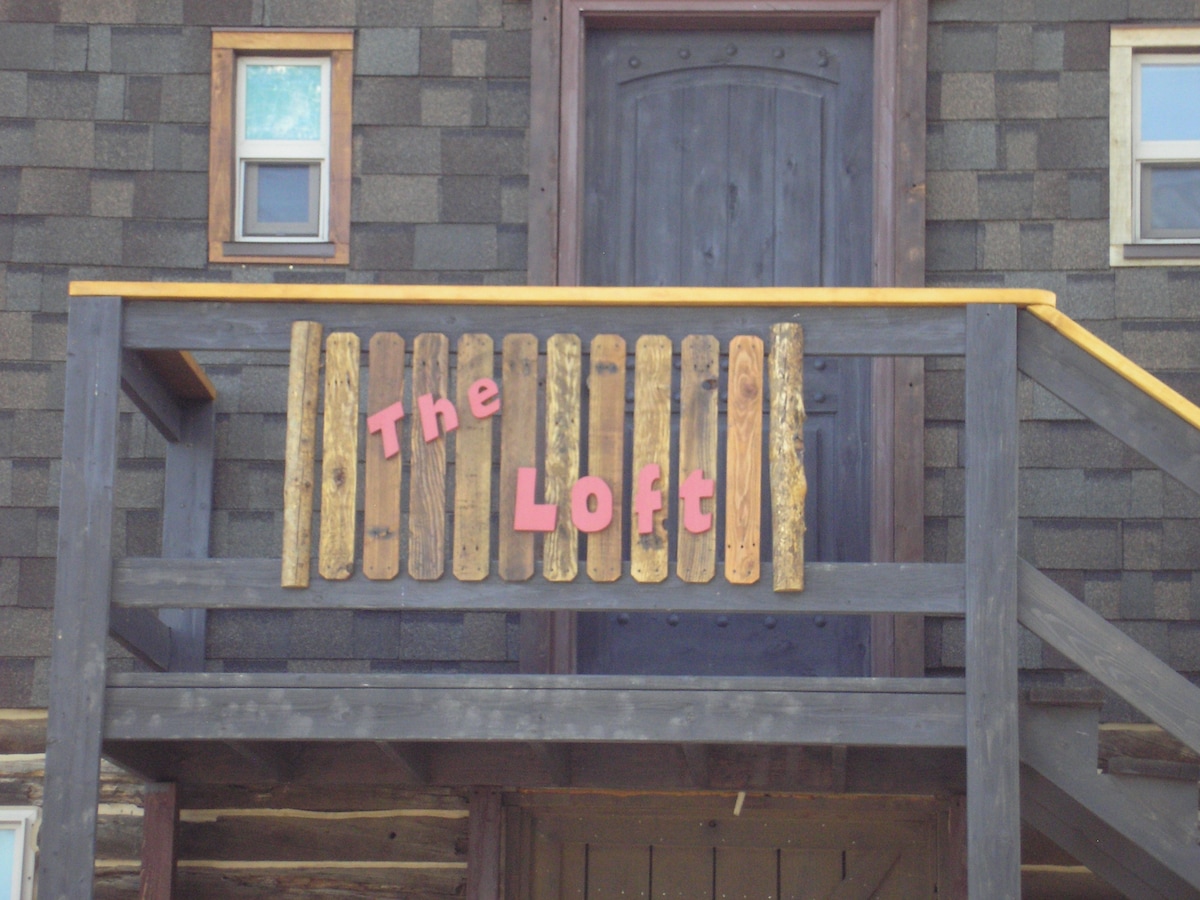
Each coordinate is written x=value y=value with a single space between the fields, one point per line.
x=279 y=167
x=1155 y=141
x=18 y=842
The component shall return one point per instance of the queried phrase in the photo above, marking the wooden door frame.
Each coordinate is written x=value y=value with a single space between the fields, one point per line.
x=898 y=251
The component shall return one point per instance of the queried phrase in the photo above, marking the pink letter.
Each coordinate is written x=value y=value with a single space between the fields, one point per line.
x=695 y=488
x=530 y=515
x=430 y=410
x=386 y=422
x=583 y=490
x=647 y=501
x=479 y=394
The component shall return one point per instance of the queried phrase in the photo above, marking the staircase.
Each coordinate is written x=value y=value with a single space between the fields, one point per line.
x=1134 y=825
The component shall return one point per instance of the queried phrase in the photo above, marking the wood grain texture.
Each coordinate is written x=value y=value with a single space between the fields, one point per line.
x=383 y=477
x=564 y=373
x=696 y=558
x=304 y=387
x=178 y=370
x=789 y=487
x=427 y=479
x=649 y=560
x=472 y=464
x=339 y=457
x=220 y=152
x=743 y=461
x=159 y=822
x=518 y=447
x=485 y=845
x=606 y=449
x=305 y=40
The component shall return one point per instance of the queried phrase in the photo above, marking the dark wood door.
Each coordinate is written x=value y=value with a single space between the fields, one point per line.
x=741 y=158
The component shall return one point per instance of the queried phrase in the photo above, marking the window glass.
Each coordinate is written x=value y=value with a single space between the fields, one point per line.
x=8 y=849
x=283 y=102
x=282 y=199
x=1170 y=102
x=1170 y=201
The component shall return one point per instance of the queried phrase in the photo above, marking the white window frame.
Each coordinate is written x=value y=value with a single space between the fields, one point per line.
x=23 y=822
x=1130 y=48
x=247 y=151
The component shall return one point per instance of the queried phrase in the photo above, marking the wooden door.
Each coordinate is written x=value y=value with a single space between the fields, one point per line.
x=741 y=158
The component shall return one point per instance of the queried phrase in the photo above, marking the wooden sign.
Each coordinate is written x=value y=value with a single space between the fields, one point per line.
x=561 y=478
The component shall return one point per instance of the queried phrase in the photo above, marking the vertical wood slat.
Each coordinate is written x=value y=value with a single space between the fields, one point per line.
x=789 y=487
x=160 y=819
x=339 y=456
x=484 y=845
x=993 y=777
x=304 y=369
x=518 y=447
x=472 y=465
x=606 y=449
x=383 y=477
x=81 y=600
x=696 y=558
x=564 y=372
x=649 y=562
x=427 y=480
x=743 y=461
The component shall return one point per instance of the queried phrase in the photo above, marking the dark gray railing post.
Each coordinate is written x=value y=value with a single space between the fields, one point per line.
x=993 y=761
x=84 y=575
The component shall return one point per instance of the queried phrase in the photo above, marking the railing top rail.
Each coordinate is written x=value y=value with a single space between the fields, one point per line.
x=525 y=295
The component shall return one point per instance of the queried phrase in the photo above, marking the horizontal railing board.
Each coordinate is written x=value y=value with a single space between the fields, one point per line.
x=882 y=712
x=845 y=588
x=866 y=331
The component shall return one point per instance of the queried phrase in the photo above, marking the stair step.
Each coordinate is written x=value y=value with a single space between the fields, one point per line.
x=1154 y=768
x=1062 y=695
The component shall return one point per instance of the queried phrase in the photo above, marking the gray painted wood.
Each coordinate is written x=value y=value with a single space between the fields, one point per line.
x=83 y=575
x=930 y=588
x=993 y=811
x=1109 y=400
x=187 y=516
x=896 y=712
x=1117 y=660
x=267 y=326
x=149 y=395
x=143 y=634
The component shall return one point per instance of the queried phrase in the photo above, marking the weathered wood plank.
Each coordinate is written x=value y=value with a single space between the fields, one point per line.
x=339 y=457
x=304 y=387
x=606 y=449
x=649 y=551
x=142 y=386
x=485 y=844
x=743 y=461
x=518 y=448
x=789 y=488
x=383 y=473
x=427 y=480
x=178 y=370
x=1122 y=664
x=696 y=557
x=472 y=464
x=850 y=588
x=993 y=809
x=564 y=372
x=143 y=634
x=83 y=577
x=159 y=822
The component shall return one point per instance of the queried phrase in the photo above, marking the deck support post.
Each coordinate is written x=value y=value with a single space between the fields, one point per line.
x=993 y=758
x=159 y=822
x=484 y=845
x=84 y=576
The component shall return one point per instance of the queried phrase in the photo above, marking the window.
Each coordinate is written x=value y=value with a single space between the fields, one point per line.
x=279 y=166
x=1155 y=146
x=17 y=844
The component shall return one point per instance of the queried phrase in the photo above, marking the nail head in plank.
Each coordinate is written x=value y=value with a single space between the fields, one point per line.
x=427 y=480
x=649 y=553
x=564 y=372
x=472 y=464
x=743 y=461
x=518 y=448
x=339 y=450
x=383 y=475
x=696 y=557
x=606 y=449
x=789 y=486
x=304 y=369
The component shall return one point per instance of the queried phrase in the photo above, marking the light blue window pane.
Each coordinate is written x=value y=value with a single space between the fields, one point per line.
x=283 y=194
x=1170 y=102
x=1174 y=201
x=283 y=103
x=8 y=847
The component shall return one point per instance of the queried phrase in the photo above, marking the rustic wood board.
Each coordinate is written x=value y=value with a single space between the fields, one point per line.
x=383 y=477
x=649 y=553
x=518 y=447
x=472 y=464
x=743 y=461
x=696 y=560
x=427 y=490
x=606 y=449
x=564 y=372
x=339 y=463
x=304 y=388
x=786 y=439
